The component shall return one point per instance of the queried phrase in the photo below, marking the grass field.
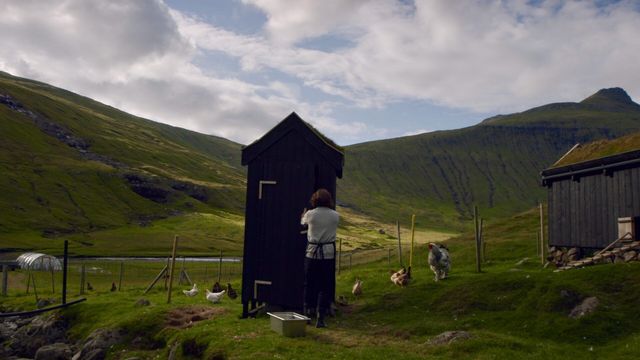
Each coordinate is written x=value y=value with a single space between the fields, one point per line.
x=511 y=311
x=201 y=234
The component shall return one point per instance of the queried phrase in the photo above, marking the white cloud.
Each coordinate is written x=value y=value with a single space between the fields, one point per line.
x=484 y=56
x=417 y=132
x=489 y=56
x=132 y=55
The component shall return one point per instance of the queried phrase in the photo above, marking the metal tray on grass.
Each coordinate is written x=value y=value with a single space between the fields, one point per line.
x=289 y=324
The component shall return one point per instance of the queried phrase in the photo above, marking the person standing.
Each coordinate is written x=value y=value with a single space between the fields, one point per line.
x=319 y=265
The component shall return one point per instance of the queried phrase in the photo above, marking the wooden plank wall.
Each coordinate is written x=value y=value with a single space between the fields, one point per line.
x=584 y=212
x=274 y=247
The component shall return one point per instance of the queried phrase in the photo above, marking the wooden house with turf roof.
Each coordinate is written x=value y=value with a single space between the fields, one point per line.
x=285 y=166
x=594 y=194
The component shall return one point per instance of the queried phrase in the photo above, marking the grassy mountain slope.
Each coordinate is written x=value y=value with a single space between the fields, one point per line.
x=116 y=184
x=441 y=175
x=70 y=164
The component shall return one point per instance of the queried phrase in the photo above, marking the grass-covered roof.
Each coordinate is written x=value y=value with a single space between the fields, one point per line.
x=601 y=148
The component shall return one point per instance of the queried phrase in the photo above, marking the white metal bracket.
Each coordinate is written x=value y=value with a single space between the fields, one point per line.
x=264 y=182
x=255 y=286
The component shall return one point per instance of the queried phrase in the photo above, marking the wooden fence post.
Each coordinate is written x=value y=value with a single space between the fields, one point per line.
x=65 y=263
x=482 y=243
x=5 y=279
x=389 y=257
x=121 y=273
x=413 y=231
x=82 y=278
x=399 y=244
x=220 y=267
x=53 y=279
x=350 y=255
x=166 y=274
x=173 y=265
x=475 y=220
x=541 y=235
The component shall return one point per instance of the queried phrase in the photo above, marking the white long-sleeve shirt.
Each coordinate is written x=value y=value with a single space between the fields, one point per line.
x=323 y=223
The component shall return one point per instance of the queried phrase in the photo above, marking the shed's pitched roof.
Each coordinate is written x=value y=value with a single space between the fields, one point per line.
x=333 y=153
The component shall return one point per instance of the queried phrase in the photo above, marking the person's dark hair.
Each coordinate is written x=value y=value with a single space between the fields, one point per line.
x=322 y=198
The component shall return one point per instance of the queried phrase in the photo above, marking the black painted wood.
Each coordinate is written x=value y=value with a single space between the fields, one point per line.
x=300 y=161
x=584 y=209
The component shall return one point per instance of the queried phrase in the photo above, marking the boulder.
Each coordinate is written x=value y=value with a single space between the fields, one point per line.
x=44 y=303
x=56 y=351
x=7 y=328
x=99 y=342
x=587 y=306
x=143 y=302
x=43 y=330
x=448 y=337
x=630 y=256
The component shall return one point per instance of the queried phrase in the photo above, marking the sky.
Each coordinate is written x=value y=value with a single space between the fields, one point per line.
x=358 y=70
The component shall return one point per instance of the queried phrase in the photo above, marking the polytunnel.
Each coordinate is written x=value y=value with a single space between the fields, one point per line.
x=39 y=262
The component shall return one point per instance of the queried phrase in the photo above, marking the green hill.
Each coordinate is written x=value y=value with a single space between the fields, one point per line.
x=440 y=176
x=72 y=165
x=75 y=167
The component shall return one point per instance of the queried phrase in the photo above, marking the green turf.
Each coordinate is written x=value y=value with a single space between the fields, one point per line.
x=512 y=311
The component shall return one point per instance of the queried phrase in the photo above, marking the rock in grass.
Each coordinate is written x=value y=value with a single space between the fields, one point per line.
x=143 y=302
x=587 y=306
x=99 y=341
x=41 y=331
x=44 y=303
x=630 y=256
x=56 y=351
x=448 y=337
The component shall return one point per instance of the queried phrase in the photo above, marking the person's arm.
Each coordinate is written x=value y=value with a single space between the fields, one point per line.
x=303 y=217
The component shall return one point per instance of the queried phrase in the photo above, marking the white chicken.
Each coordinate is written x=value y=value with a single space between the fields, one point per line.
x=357 y=288
x=400 y=277
x=439 y=261
x=192 y=292
x=214 y=297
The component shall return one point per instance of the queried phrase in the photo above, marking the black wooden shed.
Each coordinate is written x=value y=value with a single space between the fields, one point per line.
x=285 y=166
x=586 y=199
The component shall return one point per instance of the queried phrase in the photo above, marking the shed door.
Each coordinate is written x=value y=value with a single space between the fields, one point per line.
x=282 y=244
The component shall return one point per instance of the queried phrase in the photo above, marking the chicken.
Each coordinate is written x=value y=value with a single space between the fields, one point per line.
x=192 y=292
x=400 y=277
x=439 y=260
x=89 y=287
x=357 y=288
x=113 y=286
x=231 y=292
x=214 y=297
x=216 y=287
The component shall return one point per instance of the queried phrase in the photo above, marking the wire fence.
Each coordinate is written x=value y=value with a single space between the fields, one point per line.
x=105 y=275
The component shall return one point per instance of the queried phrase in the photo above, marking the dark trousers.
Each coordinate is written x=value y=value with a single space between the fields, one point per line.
x=318 y=280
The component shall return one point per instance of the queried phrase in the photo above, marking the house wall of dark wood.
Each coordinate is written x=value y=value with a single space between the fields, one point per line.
x=274 y=247
x=584 y=211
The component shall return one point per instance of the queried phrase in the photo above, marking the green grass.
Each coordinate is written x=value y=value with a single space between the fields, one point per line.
x=512 y=311
x=56 y=190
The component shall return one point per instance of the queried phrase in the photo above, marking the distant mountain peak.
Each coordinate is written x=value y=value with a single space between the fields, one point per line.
x=614 y=95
